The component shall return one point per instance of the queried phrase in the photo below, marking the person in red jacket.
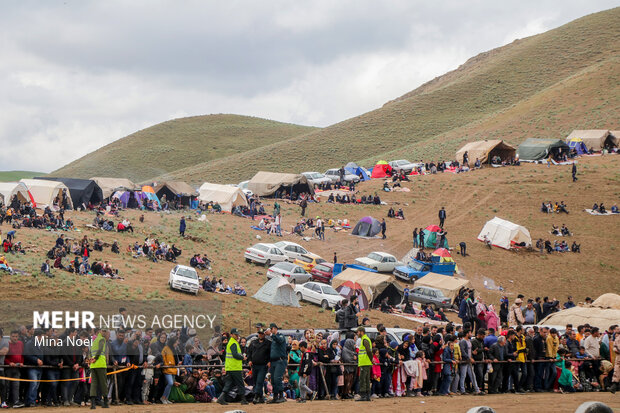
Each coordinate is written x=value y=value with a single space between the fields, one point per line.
x=14 y=358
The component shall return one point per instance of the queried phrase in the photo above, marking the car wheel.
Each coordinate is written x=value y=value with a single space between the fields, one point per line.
x=324 y=305
x=267 y=263
x=248 y=260
x=299 y=296
x=375 y=268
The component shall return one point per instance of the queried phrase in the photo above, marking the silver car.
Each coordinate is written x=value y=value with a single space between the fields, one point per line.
x=334 y=175
x=291 y=272
x=403 y=165
x=429 y=295
x=316 y=178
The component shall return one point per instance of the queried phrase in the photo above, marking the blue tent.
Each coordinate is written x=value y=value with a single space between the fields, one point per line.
x=578 y=145
x=355 y=169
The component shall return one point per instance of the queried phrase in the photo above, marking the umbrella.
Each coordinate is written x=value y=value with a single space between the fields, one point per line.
x=350 y=289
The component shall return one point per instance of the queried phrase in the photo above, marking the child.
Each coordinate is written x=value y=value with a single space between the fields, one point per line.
x=566 y=378
x=376 y=374
x=206 y=387
x=148 y=379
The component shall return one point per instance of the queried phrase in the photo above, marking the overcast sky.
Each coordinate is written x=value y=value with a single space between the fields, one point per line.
x=76 y=75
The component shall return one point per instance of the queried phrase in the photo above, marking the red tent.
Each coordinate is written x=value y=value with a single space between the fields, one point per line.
x=433 y=228
x=381 y=170
x=442 y=252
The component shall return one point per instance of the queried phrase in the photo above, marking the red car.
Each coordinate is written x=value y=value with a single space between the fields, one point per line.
x=323 y=272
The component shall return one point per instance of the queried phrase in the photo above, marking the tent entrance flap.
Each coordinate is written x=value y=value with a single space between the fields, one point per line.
x=393 y=295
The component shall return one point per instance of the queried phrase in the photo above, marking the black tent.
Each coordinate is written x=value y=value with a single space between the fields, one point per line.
x=82 y=191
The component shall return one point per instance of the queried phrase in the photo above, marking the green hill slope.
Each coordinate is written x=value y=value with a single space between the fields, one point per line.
x=520 y=84
x=178 y=143
x=12 y=176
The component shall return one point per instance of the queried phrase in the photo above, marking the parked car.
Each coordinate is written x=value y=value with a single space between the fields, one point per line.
x=308 y=262
x=293 y=273
x=379 y=261
x=266 y=254
x=293 y=251
x=334 y=175
x=429 y=295
x=323 y=272
x=244 y=188
x=403 y=165
x=184 y=278
x=324 y=295
x=316 y=178
x=415 y=269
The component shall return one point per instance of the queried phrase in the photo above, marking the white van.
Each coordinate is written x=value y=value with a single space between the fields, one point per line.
x=184 y=278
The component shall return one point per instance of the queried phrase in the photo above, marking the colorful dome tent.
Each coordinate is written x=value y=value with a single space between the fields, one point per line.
x=350 y=289
x=578 y=145
x=225 y=195
x=431 y=239
x=367 y=227
x=536 y=149
x=83 y=191
x=45 y=193
x=505 y=234
x=149 y=193
x=595 y=139
x=277 y=291
x=443 y=255
x=355 y=169
x=381 y=170
x=485 y=150
x=16 y=189
x=376 y=286
x=130 y=199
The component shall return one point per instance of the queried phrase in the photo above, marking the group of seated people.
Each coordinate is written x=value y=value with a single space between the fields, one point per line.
x=550 y=207
x=10 y=247
x=215 y=285
x=328 y=186
x=201 y=263
x=558 y=246
x=344 y=199
x=210 y=206
x=154 y=250
x=396 y=214
x=601 y=208
x=561 y=232
x=425 y=311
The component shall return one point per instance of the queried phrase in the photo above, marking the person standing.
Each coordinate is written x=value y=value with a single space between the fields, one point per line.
x=615 y=381
x=415 y=238
x=303 y=204
x=182 y=227
x=421 y=233
x=278 y=356
x=98 y=368
x=335 y=258
x=258 y=355
x=463 y=246
x=233 y=369
x=278 y=223
x=383 y=228
x=574 y=171
x=364 y=363
x=442 y=216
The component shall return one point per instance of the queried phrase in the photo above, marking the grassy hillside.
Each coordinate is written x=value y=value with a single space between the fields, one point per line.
x=12 y=176
x=177 y=143
x=541 y=85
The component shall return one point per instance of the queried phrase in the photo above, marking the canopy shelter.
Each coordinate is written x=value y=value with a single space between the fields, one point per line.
x=270 y=183
x=367 y=227
x=578 y=145
x=608 y=300
x=278 y=291
x=225 y=195
x=505 y=234
x=111 y=185
x=486 y=150
x=49 y=193
x=350 y=289
x=449 y=286
x=176 y=190
x=355 y=169
x=536 y=149
x=595 y=316
x=381 y=170
x=376 y=286
x=595 y=139
x=432 y=237
x=83 y=191
x=15 y=192
x=149 y=193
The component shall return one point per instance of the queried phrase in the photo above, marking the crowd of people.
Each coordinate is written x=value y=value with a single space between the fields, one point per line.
x=550 y=207
x=558 y=246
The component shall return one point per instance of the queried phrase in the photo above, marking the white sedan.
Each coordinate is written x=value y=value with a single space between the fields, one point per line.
x=379 y=261
x=293 y=251
x=291 y=272
x=263 y=253
x=324 y=295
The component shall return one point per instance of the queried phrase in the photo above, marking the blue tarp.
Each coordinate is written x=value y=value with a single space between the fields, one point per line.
x=355 y=169
x=338 y=268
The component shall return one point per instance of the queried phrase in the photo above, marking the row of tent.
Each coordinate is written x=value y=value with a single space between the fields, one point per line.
x=583 y=141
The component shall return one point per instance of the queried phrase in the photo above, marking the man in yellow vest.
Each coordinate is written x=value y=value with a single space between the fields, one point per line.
x=364 y=362
x=233 y=369
x=98 y=368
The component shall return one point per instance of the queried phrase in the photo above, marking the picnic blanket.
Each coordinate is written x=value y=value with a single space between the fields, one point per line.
x=592 y=212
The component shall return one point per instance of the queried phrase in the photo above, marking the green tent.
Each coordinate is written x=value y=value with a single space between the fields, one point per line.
x=431 y=238
x=535 y=149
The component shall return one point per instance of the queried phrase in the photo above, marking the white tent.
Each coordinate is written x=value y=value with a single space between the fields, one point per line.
x=10 y=189
x=278 y=291
x=504 y=233
x=225 y=195
x=45 y=192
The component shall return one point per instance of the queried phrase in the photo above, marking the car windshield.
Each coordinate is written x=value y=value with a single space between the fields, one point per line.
x=280 y=244
x=305 y=258
x=316 y=176
x=329 y=290
x=375 y=257
x=261 y=247
x=418 y=266
x=323 y=268
x=402 y=162
x=319 y=260
x=187 y=273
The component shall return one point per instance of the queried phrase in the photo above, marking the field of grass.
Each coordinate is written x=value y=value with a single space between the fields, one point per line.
x=179 y=143
x=12 y=176
x=512 y=193
x=544 y=85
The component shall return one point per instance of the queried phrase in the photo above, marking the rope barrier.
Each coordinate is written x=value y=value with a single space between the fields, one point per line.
x=110 y=373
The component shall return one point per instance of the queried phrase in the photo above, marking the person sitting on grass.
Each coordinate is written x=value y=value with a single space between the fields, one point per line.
x=400 y=214
x=115 y=248
x=601 y=209
x=614 y=209
x=575 y=247
x=565 y=231
x=239 y=290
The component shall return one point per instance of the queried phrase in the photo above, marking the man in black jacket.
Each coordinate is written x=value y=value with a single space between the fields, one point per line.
x=72 y=357
x=305 y=369
x=477 y=353
x=258 y=355
x=549 y=307
x=531 y=355
x=33 y=356
x=350 y=314
x=540 y=345
x=497 y=352
x=442 y=216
